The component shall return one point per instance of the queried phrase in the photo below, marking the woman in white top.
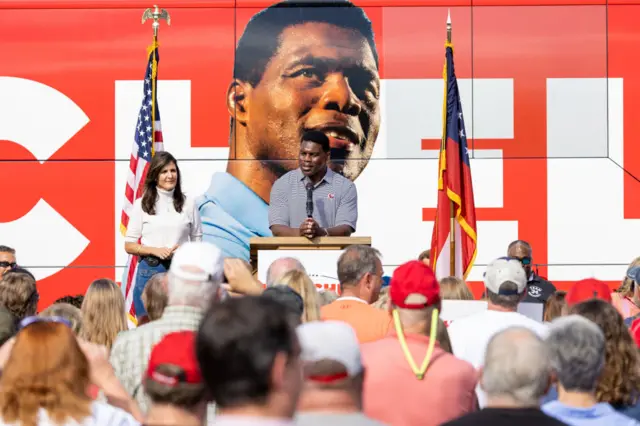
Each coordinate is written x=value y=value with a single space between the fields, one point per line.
x=161 y=221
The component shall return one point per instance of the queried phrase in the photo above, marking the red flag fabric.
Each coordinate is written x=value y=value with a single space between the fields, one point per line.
x=455 y=222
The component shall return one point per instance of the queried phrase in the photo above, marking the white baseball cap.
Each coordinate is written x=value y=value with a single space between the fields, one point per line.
x=502 y=270
x=330 y=340
x=198 y=261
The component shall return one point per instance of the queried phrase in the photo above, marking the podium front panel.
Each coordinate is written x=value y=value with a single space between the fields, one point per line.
x=321 y=265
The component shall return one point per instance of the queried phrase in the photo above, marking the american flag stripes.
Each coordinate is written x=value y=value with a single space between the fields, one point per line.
x=455 y=189
x=146 y=142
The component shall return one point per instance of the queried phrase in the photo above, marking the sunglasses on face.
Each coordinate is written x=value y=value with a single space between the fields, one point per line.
x=34 y=319
x=524 y=260
x=5 y=264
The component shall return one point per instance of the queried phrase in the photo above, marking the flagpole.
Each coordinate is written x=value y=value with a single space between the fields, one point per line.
x=452 y=232
x=156 y=14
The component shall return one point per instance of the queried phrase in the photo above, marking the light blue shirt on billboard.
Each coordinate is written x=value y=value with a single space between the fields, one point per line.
x=231 y=214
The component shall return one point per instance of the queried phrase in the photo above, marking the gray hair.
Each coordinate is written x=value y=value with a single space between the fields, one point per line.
x=7 y=249
x=355 y=262
x=516 y=366
x=281 y=266
x=576 y=349
x=183 y=292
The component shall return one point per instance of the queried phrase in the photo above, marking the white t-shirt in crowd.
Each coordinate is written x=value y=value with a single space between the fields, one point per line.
x=102 y=414
x=167 y=227
x=470 y=335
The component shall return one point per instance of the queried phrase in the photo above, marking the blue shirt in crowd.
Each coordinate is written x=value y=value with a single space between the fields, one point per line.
x=632 y=411
x=231 y=214
x=599 y=415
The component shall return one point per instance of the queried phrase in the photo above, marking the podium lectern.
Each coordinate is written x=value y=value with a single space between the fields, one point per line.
x=289 y=244
x=301 y=243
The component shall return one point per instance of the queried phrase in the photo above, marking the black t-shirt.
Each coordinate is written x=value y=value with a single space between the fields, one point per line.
x=506 y=417
x=539 y=290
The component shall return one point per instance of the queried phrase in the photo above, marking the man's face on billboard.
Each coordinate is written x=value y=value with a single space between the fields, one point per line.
x=322 y=77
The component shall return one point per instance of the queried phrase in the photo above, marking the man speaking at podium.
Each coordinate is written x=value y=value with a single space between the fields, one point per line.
x=312 y=200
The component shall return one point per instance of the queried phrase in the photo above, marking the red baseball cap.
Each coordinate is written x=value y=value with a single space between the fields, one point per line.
x=589 y=288
x=414 y=286
x=179 y=350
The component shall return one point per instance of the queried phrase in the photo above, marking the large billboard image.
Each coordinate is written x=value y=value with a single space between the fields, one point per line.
x=550 y=94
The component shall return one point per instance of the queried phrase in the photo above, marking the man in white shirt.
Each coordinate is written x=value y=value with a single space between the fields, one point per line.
x=506 y=284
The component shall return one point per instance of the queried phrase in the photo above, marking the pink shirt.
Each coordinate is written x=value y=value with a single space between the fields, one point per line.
x=394 y=396
x=625 y=306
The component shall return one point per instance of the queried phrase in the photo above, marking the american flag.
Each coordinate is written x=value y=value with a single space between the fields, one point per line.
x=455 y=189
x=146 y=142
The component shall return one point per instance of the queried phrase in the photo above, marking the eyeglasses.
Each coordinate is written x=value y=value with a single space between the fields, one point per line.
x=34 y=319
x=5 y=264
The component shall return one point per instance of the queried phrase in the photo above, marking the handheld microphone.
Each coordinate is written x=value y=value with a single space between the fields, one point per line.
x=309 y=200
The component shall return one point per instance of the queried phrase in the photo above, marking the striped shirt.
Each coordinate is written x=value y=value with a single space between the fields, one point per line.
x=335 y=201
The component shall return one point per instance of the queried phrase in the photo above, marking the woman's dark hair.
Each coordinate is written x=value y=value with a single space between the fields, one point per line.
x=159 y=161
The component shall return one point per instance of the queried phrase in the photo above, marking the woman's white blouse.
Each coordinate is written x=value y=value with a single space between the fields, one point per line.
x=102 y=414
x=167 y=227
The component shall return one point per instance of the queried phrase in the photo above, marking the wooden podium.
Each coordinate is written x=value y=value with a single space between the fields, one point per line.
x=301 y=243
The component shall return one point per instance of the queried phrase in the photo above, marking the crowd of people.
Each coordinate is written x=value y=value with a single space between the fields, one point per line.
x=219 y=347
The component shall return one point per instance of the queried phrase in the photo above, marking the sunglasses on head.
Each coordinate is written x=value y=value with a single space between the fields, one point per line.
x=34 y=319
x=5 y=264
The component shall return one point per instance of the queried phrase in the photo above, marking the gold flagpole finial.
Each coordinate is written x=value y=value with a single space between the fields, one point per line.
x=156 y=14
x=449 y=26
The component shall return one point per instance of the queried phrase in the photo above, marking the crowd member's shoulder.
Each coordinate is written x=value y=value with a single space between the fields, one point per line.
x=459 y=368
x=543 y=282
x=128 y=337
x=504 y=417
x=105 y=414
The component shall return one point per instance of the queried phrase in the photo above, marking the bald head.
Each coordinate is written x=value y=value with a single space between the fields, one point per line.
x=519 y=248
x=516 y=368
x=281 y=266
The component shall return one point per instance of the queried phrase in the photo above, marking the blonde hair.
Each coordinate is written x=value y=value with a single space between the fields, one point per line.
x=46 y=369
x=555 y=305
x=453 y=288
x=66 y=311
x=327 y=297
x=300 y=282
x=383 y=299
x=626 y=287
x=103 y=313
